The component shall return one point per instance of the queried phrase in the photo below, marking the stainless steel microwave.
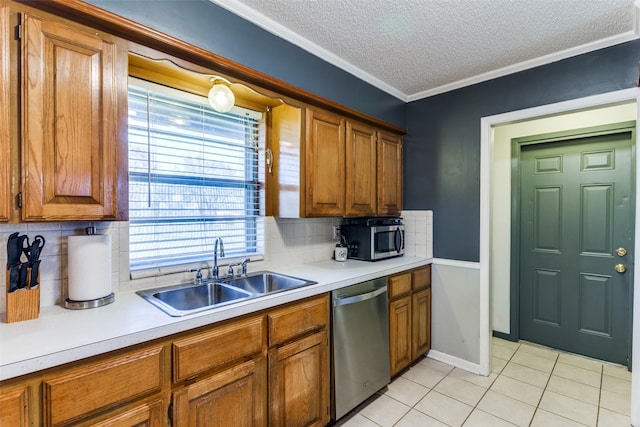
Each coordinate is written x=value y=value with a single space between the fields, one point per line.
x=373 y=239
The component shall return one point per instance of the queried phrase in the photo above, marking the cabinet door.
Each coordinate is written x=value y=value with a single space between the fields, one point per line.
x=324 y=164
x=389 y=174
x=233 y=397
x=361 y=170
x=14 y=407
x=72 y=151
x=5 y=114
x=299 y=383
x=147 y=415
x=400 y=334
x=421 y=312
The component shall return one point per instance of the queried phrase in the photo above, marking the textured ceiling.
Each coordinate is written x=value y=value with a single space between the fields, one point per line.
x=416 y=48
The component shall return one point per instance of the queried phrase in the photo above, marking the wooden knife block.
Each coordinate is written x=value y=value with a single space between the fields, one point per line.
x=23 y=304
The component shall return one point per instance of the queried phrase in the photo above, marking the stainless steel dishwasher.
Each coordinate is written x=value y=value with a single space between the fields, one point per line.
x=360 y=337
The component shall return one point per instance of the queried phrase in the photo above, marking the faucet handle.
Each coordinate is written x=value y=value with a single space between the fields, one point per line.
x=198 y=278
x=244 y=266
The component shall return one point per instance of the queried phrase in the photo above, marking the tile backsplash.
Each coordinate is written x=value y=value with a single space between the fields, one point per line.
x=286 y=241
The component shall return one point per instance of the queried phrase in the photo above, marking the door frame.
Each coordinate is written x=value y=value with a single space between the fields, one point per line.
x=486 y=138
x=516 y=149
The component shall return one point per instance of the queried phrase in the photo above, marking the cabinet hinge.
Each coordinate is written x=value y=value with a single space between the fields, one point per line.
x=18 y=32
x=19 y=200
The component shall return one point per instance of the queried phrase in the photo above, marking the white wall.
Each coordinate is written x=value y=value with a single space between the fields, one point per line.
x=500 y=239
x=455 y=312
x=289 y=241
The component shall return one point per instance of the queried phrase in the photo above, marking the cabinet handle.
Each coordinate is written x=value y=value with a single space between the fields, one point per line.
x=269 y=159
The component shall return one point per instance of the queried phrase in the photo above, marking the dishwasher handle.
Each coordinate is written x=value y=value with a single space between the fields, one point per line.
x=359 y=298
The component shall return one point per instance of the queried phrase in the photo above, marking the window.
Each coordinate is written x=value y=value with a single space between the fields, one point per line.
x=193 y=176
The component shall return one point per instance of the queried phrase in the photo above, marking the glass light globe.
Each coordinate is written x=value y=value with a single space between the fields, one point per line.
x=221 y=98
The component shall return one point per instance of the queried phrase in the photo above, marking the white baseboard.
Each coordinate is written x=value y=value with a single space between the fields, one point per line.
x=474 y=368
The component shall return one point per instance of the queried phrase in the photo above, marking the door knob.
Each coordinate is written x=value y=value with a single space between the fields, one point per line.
x=621 y=251
x=621 y=268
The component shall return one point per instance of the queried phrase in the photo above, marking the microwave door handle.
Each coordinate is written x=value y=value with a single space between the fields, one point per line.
x=397 y=240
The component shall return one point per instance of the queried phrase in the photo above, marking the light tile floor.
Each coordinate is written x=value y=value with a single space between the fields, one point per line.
x=529 y=385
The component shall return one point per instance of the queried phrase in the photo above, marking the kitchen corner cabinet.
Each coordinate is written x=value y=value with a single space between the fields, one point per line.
x=74 y=164
x=320 y=164
x=409 y=317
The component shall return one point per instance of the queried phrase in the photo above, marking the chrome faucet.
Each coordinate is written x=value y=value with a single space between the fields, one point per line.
x=215 y=271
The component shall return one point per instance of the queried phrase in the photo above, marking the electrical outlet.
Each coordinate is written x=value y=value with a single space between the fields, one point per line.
x=336 y=232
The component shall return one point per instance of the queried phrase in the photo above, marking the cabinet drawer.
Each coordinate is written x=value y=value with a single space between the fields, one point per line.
x=422 y=278
x=82 y=392
x=298 y=319
x=399 y=285
x=149 y=414
x=218 y=347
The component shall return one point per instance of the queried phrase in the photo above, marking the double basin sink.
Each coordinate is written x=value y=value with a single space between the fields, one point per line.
x=181 y=300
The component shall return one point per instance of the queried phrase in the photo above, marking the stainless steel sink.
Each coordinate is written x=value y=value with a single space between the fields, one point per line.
x=266 y=282
x=181 y=300
x=187 y=299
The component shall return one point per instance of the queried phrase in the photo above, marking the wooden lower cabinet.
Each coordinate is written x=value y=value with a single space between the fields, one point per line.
x=299 y=383
x=400 y=355
x=89 y=390
x=268 y=368
x=409 y=317
x=233 y=397
x=421 y=323
x=146 y=415
x=14 y=406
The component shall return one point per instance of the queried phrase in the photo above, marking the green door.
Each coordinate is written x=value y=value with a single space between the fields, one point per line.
x=576 y=210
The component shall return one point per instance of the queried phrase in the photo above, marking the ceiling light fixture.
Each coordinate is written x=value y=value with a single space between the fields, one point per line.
x=220 y=95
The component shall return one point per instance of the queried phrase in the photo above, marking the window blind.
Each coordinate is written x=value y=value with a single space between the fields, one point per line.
x=193 y=176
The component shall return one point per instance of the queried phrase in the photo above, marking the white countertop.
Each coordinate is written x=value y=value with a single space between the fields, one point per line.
x=61 y=336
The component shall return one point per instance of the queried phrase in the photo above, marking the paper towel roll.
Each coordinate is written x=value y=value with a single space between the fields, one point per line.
x=89 y=260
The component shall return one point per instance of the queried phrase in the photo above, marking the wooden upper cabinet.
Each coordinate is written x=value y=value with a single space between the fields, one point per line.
x=361 y=169
x=5 y=115
x=74 y=163
x=325 y=164
x=389 y=174
x=319 y=164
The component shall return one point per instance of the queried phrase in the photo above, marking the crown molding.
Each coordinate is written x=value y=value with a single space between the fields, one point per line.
x=285 y=33
x=526 y=65
x=281 y=31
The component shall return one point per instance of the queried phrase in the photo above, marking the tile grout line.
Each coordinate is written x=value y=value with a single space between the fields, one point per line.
x=600 y=395
x=475 y=407
x=544 y=390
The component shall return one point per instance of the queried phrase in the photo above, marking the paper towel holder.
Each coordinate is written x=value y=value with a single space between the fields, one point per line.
x=93 y=303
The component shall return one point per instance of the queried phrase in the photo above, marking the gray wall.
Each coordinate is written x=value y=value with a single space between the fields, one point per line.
x=213 y=28
x=442 y=147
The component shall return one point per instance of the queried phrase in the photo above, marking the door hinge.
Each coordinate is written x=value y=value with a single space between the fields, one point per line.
x=19 y=32
x=19 y=200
